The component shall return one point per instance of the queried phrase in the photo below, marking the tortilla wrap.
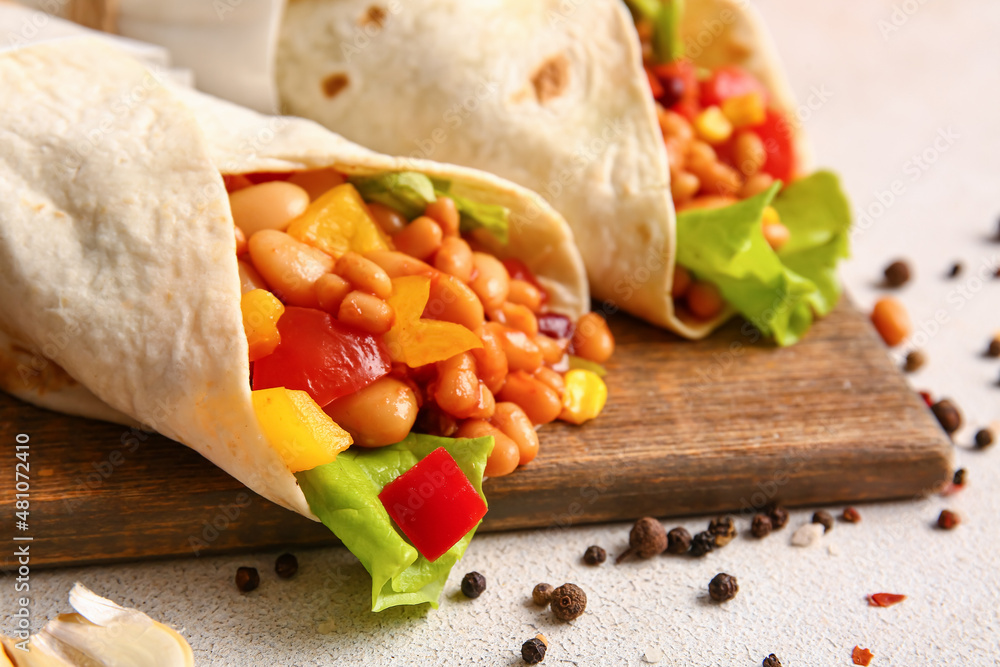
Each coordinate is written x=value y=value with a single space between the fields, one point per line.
x=119 y=289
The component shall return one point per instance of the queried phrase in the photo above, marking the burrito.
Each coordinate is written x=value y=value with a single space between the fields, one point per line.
x=357 y=338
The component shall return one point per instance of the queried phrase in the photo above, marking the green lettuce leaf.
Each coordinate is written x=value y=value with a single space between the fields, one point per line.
x=665 y=16
x=406 y=191
x=493 y=218
x=344 y=495
x=780 y=293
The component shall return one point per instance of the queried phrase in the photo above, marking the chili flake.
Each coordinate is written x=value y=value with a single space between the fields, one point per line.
x=861 y=656
x=884 y=599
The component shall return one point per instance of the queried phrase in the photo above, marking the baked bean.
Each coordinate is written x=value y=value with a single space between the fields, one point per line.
x=776 y=235
x=514 y=423
x=676 y=152
x=538 y=400
x=505 y=456
x=552 y=349
x=389 y=219
x=704 y=300
x=522 y=353
x=421 y=238
x=592 y=338
x=454 y=257
x=552 y=379
x=490 y=280
x=683 y=186
x=707 y=201
x=249 y=278
x=486 y=405
x=720 y=179
x=451 y=300
x=444 y=212
x=289 y=266
x=748 y=152
x=756 y=184
x=331 y=290
x=271 y=205
x=241 y=240
x=516 y=316
x=891 y=321
x=366 y=312
x=364 y=274
x=491 y=362
x=525 y=294
x=674 y=125
x=380 y=414
x=681 y=283
x=397 y=264
x=316 y=182
x=457 y=391
x=700 y=154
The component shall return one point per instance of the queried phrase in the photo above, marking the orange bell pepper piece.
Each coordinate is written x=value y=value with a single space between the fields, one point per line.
x=261 y=311
x=337 y=222
x=298 y=429
x=415 y=341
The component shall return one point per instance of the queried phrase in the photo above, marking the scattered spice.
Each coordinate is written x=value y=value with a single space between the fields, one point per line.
x=779 y=517
x=928 y=399
x=723 y=587
x=724 y=530
x=851 y=515
x=993 y=349
x=286 y=566
x=984 y=438
x=568 y=602
x=761 y=526
x=542 y=594
x=825 y=519
x=947 y=415
x=247 y=579
x=473 y=584
x=956 y=270
x=914 y=361
x=947 y=520
x=897 y=273
x=959 y=478
x=533 y=651
x=678 y=540
x=594 y=555
x=771 y=661
x=884 y=599
x=861 y=656
x=807 y=535
x=647 y=538
x=702 y=543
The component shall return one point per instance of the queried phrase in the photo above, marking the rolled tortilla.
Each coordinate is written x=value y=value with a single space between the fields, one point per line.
x=119 y=289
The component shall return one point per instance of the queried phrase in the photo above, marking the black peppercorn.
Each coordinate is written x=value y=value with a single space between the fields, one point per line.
x=914 y=361
x=542 y=594
x=724 y=530
x=568 y=602
x=473 y=584
x=897 y=273
x=984 y=438
x=594 y=555
x=646 y=539
x=533 y=651
x=771 y=661
x=247 y=579
x=825 y=519
x=851 y=515
x=702 y=543
x=956 y=270
x=993 y=349
x=959 y=478
x=723 y=587
x=286 y=566
x=761 y=525
x=678 y=540
x=947 y=415
x=947 y=520
x=779 y=517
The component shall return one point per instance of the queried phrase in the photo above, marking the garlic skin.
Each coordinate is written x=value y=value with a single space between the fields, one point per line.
x=100 y=634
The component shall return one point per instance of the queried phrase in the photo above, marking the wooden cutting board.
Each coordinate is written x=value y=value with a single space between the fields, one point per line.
x=724 y=424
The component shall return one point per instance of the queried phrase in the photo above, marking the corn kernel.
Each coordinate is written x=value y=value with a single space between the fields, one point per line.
x=712 y=126
x=744 y=110
x=770 y=216
x=584 y=396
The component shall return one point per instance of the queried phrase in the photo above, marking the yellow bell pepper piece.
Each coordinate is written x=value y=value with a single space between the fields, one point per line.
x=415 y=341
x=337 y=222
x=712 y=126
x=584 y=397
x=745 y=110
x=261 y=311
x=303 y=435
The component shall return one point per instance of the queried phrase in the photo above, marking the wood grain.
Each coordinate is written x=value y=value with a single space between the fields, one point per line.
x=725 y=424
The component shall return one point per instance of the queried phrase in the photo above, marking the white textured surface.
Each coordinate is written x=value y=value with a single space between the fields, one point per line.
x=889 y=98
